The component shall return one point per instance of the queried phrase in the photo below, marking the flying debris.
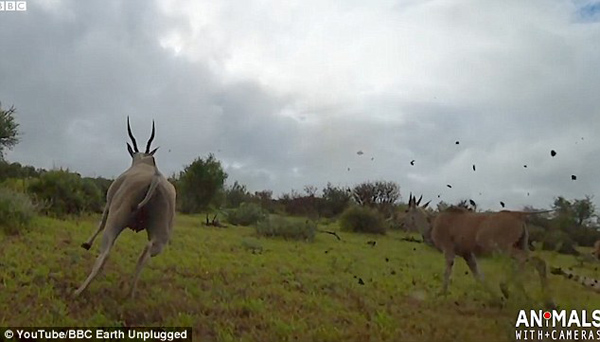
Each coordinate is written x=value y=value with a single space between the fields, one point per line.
x=372 y=158
x=573 y=177
x=552 y=153
x=473 y=167
x=527 y=194
x=360 y=281
x=457 y=142
x=525 y=166
x=438 y=196
x=372 y=243
x=348 y=169
x=360 y=153
x=448 y=185
x=412 y=162
x=502 y=204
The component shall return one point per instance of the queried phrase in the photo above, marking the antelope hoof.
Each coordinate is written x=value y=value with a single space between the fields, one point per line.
x=86 y=246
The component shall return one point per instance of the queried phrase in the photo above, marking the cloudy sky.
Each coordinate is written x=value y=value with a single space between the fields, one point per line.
x=286 y=93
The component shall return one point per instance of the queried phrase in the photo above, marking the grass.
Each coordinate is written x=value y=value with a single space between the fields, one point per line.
x=213 y=280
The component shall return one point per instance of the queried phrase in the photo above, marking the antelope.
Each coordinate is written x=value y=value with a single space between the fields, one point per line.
x=140 y=198
x=463 y=232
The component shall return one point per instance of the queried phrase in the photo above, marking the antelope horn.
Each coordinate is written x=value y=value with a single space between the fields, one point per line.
x=151 y=138
x=135 y=148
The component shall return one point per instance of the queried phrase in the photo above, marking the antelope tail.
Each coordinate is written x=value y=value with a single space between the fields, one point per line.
x=151 y=190
x=524 y=214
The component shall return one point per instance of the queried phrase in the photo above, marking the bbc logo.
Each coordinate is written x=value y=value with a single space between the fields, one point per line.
x=11 y=6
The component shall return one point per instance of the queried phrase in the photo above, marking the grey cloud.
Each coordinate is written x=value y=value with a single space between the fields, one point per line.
x=510 y=85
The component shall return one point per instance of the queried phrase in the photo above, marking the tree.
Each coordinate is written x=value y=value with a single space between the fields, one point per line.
x=9 y=134
x=584 y=211
x=236 y=195
x=265 y=198
x=577 y=212
x=335 y=200
x=577 y=219
x=199 y=184
x=380 y=195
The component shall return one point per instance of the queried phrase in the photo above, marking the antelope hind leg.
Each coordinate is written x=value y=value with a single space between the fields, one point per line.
x=142 y=260
x=152 y=249
x=107 y=243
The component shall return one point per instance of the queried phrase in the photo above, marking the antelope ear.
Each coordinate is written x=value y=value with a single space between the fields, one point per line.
x=419 y=201
x=426 y=204
x=410 y=200
x=154 y=150
x=130 y=150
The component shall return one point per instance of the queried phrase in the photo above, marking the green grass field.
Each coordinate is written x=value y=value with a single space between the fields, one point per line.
x=230 y=285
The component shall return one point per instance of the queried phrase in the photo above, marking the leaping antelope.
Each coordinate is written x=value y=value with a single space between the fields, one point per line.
x=140 y=198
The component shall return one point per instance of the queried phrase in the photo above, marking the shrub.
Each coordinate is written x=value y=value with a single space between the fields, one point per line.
x=66 y=193
x=362 y=219
x=335 y=200
x=16 y=184
x=235 y=195
x=246 y=214
x=559 y=241
x=584 y=236
x=536 y=233
x=289 y=229
x=16 y=211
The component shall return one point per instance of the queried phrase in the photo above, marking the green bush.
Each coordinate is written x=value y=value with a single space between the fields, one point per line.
x=289 y=229
x=16 y=184
x=559 y=241
x=66 y=193
x=362 y=219
x=246 y=214
x=16 y=211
